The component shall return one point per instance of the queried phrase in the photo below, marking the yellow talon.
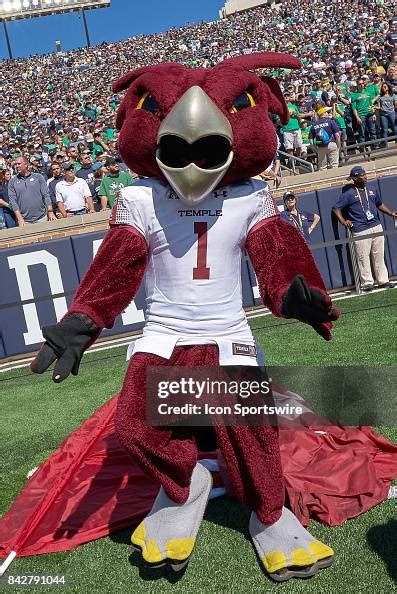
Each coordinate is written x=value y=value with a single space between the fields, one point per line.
x=151 y=552
x=139 y=535
x=320 y=550
x=180 y=549
x=301 y=558
x=274 y=561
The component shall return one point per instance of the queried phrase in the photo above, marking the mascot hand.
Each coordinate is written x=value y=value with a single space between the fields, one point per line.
x=66 y=342
x=311 y=306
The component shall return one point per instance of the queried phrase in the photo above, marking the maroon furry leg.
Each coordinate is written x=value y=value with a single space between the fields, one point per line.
x=251 y=454
x=252 y=457
x=168 y=456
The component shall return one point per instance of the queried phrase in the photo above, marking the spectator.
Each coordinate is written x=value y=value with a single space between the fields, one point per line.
x=99 y=146
x=391 y=36
x=343 y=102
x=29 y=196
x=364 y=112
x=98 y=170
x=86 y=171
x=392 y=72
x=317 y=90
x=52 y=183
x=291 y=131
x=338 y=114
x=306 y=141
x=305 y=222
x=90 y=111
x=357 y=209
x=73 y=195
x=113 y=181
x=59 y=158
x=326 y=132
x=370 y=88
x=73 y=156
x=7 y=216
x=387 y=110
x=38 y=166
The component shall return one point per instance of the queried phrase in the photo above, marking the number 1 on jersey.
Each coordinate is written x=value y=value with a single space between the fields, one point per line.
x=201 y=272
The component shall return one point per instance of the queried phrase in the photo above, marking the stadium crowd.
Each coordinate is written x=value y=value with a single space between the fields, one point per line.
x=57 y=111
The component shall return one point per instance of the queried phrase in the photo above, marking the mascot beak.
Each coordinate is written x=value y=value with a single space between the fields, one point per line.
x=194 y=146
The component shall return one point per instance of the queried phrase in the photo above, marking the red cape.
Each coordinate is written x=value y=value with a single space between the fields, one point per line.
x=90 y=486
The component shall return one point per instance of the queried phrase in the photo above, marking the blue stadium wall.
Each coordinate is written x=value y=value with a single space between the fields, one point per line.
x=38 y=281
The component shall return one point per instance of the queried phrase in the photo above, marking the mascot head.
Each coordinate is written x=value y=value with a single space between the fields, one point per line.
x=198 y=127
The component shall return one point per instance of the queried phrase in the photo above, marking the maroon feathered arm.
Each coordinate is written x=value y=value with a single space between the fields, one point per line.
x=114 y=276
x=279 y=254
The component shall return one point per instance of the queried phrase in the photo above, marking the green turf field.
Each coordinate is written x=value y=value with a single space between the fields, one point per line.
x=36 y=415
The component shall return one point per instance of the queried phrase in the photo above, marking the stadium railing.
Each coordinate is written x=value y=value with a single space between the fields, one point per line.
x=294 y=160
x=367 y=152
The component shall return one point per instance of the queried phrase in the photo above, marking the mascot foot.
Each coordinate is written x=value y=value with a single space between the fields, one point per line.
x=168 y=534
x=287 y=549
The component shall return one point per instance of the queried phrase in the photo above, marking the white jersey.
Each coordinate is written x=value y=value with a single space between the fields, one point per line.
x=193 y=279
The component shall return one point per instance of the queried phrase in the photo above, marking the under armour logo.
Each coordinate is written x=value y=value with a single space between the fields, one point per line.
x=218 y=194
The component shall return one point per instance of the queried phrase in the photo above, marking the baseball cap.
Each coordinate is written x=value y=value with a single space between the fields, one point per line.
x=355 y=171
x=288 y=194
x=67 y=166
x=322 y=110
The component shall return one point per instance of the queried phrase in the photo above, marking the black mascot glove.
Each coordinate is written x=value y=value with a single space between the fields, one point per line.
x=65 y=341
x=311 y=306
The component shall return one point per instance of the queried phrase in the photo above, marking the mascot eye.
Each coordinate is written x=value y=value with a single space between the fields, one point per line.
x=148 y=103
x=244 y=100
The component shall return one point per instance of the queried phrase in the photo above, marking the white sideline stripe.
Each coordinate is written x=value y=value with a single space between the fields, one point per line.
x=7 y=562
x=125 y=341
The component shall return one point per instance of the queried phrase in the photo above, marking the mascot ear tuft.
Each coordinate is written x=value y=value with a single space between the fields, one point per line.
x=275 y=98
x=125 y=81
x=262 y=60
x=276 y=102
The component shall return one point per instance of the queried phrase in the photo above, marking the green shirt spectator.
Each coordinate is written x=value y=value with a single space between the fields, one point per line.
x=97 y=149
x=362 y=101
x=372 y=90
x=108 y=134
x=305 y=135
x=339 y=112
x=112 y=183
x=90 y=111
x=293 y=123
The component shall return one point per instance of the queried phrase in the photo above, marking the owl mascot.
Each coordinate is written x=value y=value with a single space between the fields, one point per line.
x=196 y=138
